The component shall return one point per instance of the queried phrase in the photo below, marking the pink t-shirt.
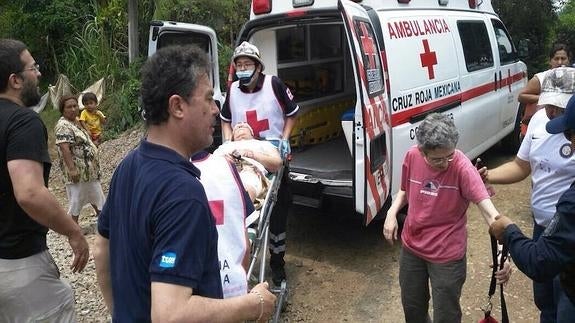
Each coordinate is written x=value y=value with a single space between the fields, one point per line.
x=435 y=227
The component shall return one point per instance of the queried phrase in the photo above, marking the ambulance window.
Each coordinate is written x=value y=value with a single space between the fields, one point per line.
x=178 y=38
x=327 y=41
x=476 y=45
x=505 y=47
x=291 y=44
x=311 y=60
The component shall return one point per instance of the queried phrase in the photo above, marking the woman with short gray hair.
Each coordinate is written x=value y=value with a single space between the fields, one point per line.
x=438 y=182
x=437 y=130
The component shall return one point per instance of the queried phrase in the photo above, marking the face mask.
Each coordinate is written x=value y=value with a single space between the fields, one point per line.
x=245 y=76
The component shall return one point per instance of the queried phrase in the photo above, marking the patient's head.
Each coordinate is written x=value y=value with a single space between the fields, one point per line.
x=242 y=131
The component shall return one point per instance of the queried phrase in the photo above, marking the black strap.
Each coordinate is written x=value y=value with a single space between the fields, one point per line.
x=498 y=265
x=504 y=254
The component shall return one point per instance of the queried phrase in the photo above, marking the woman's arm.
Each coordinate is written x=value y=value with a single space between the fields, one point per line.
x=488 y=210
x=69 y=161
x=269 y=157
x=508 y=173
x=391 y=227
x=530 y=93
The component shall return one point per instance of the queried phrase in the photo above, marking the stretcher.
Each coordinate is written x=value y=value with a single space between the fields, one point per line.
x=257 y=225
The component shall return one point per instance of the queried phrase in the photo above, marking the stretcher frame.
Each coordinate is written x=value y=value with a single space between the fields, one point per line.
x=260 y=220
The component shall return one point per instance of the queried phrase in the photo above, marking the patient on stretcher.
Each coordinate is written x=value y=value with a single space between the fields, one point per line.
x=253 y=158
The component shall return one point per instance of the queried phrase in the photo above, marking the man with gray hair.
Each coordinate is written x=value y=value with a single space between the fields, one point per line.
x=30 y=286
x=438 y=181
x=156 y=248
x=550 y=160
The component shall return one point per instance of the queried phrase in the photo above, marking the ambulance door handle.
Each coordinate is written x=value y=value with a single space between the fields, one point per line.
x=500 y=79
x=495 y=82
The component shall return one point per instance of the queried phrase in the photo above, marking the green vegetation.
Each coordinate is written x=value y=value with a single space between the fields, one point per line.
x=87 y=40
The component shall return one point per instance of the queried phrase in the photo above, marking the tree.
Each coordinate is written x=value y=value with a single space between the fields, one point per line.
x=524 y=22
x=566 y=25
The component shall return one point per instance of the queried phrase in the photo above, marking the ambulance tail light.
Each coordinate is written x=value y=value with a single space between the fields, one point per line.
x=261 y=6
x=472 y=4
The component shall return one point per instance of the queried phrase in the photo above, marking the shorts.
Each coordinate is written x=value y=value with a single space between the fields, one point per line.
x=31 y=290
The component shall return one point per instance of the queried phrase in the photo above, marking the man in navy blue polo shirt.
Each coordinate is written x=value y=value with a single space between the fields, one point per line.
x=156 y=248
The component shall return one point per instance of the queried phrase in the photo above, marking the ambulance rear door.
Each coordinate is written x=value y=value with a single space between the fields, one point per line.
x=372 y=129
x=423 y=75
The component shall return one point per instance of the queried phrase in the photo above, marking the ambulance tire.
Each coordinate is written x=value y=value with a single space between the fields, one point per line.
x=512 y=141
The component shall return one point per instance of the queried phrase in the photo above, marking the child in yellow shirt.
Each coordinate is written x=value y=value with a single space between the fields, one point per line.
x=91 y=118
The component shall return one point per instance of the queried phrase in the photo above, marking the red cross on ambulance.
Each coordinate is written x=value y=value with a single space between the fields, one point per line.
x=428 y=59
x=258 y=126
x=368 y=45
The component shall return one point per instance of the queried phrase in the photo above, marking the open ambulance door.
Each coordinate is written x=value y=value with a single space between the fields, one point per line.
x=165 y=33
x=372 y=123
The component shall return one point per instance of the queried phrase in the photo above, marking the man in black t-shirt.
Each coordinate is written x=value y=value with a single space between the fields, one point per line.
x=30 y=285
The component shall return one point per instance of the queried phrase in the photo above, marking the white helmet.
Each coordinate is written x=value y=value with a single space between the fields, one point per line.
x=248 y=50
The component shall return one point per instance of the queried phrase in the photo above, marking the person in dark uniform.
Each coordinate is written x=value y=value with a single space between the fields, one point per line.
x=554 y=252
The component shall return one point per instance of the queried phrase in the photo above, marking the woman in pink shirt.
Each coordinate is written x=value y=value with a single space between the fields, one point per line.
x=438 y=182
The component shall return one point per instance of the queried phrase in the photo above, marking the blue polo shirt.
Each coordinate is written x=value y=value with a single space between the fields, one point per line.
x=160 y=229
x=543 y=259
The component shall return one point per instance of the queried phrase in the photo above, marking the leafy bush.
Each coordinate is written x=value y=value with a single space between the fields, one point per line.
x=121 y=105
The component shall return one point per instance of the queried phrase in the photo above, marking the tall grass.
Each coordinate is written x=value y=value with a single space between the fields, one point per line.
x=100 y=51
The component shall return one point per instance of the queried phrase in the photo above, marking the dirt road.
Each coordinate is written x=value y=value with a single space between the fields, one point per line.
x=339 y=271
x=342 y=272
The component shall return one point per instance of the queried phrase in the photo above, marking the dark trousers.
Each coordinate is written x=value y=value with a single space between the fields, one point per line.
x=278 y=222
x=550 y=297
x=446 y=280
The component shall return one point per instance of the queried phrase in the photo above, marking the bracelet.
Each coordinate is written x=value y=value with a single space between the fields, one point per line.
x=261 y=303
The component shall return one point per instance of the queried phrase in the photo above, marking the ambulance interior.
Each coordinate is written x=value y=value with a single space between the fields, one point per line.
x=313 y=60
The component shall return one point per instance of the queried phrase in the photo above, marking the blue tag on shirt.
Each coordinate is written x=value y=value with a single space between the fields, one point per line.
x=168 y=260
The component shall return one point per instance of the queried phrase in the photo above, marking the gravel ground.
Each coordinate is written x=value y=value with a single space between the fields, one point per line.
x=89 y=303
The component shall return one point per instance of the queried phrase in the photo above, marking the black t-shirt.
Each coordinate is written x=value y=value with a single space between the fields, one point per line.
x=22 y=136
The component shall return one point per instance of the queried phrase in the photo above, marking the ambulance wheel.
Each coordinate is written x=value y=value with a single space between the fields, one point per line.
x=513 y=140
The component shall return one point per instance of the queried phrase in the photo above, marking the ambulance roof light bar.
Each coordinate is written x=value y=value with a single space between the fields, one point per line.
x=261 y=6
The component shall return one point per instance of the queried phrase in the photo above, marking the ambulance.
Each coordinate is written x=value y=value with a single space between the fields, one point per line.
x=366 y=72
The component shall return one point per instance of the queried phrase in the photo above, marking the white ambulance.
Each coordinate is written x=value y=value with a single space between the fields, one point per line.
x=365 y=73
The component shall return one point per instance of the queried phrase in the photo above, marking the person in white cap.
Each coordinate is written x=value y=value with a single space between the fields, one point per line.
x=268 y=106
x=550 y=160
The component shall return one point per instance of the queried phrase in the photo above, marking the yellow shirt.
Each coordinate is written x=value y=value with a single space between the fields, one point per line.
x=93 y=121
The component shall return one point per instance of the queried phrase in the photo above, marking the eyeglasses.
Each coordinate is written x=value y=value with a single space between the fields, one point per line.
x=245 y=66
x=35 y=68
x=439 y=160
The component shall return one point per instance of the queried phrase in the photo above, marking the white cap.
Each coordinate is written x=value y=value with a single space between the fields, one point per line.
x=558 y=87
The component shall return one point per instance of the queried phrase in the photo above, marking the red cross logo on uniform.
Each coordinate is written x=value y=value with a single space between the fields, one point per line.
x=428 y=59
x=217 y=208
x=258 y=126
x=367 y=44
